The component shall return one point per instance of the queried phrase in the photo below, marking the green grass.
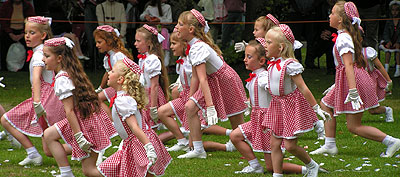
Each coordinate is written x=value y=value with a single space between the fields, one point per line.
x=352 y=149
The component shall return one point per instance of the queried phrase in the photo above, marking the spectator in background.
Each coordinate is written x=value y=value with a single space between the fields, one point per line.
x=391 y=37
x=89 y=7
x=369 y=10
x=112 y=13
x=132 y=15
x=13 y=30
x=236 y=11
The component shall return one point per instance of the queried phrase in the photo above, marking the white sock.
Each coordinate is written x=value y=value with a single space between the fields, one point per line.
x=183 y=141
x=387 y=67
x=312 y=164
x=198 y=146
x=277 y=175
x=32 y=152
x=330 y=142
x=388 y=140
x=228 y=132
x=66 y=171
x=254 y=163
x=303 y=170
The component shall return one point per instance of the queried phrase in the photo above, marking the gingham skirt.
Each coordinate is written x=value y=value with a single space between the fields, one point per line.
x=146 y=112
x=227 y=93
x=365 y=87
x=380 y=83
x=97 y=129
x=253 y=131
x=289 y=116
x=21 y=116
x=163 y=157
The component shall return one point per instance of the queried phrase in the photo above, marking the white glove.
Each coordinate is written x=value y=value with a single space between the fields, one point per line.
x=98 y=90
x=325 y=115
x=82 y=142
x=39 y=110
x=150 y=152
x=240 y=46
x=212 y=117
x=355 y=99
x=389 y=87
x=328 y=89
x=248 y=109
x=1 y=84
x=154 y=114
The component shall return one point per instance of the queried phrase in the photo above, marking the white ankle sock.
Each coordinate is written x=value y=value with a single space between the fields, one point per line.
x=330 y=142
x=32 y=152
x=312 y=164
x=183 y=141
x=303 y=170
x=228 y=132
x=66 y=171
x=388 y=140
x=198 y=146
x=254 y=163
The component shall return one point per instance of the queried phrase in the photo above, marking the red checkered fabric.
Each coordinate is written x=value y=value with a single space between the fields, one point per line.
x=151 y=29
x=132 y=65
x=54 y=42
x=287 y=32
x=39 y=19
x=199 y=17
x=107 y=28
x=351 y=10
x=261 y=41
x=273 y=19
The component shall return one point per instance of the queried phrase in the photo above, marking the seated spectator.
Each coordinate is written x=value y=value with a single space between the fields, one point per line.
x=112 y=13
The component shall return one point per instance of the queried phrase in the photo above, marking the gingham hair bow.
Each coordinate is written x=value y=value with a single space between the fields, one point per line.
x=132 y=66
x=155 y=32
x=40 y=19
x=201 y=20
x=287 y=32
x=109 y=29
x=54 y=42
x=273 y=19
x=352 y=12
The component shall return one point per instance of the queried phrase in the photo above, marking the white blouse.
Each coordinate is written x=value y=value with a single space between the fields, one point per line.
x=200 y=52
x=63 y=86
x=37 y=61
x=151 y=67
x=344 y=44
x=370 y=54
x=153 y=11
x=292 y=69
x=184 y=69
x=263 y=95
x=114 y=57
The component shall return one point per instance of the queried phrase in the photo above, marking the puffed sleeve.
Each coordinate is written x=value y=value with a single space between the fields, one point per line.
x=371 y=53
x=126 y=106
x=153 y=66
x=37 y=59
x=263 y=80
x=63 y=87
x=294 y=68
x=198 y=54
x=344 y=44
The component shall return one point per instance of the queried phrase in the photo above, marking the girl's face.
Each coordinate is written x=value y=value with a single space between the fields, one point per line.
x=140 y=43
x=102 y=45
x=177 y=47
x=395 y=10
x=33 y=37
x=251 y=60
x=258 y=30
x=114 y=77
x=184 y=31
x=50 y=59
x=272 y=47
x=334 y=19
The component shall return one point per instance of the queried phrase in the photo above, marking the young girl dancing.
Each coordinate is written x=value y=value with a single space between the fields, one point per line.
x=291 y=108
x=155 y=78
x=86 y=129
x=34 y=115
x=215 y=88
x=353 y=85
x=139 y=140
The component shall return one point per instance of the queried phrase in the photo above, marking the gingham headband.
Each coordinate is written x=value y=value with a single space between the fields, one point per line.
x=132 y=66
x=54 y=42
x=201 y=19
x=40 y=19
x=287 y=32
x=272 y=18
x=109 y=29
x=261 y=41
x=155 y=32
x=352 y=12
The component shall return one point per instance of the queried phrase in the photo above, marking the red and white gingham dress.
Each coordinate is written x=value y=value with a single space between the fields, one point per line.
x=289 y=115
x=97 y=128
x=252 y=130
x=146 y=112
x=132 y=160
x=364 y=84
x=21 y=116
x=380 y=82
x=226 y=87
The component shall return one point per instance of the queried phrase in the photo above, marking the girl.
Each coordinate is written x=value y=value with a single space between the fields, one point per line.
x=215 y=88
x=155 y=78
x=34 y=115
x=86 y=129
x=291 y=108
x=353 y=85
x=130 y=98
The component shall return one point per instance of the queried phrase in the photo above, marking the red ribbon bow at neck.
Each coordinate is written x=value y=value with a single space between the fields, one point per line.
x=142 y=56
x=180 y=61
x=272 y=63
x=251 y=76
x=112 y=100
x=334 y=35
x=30 y=54
x=187 y=50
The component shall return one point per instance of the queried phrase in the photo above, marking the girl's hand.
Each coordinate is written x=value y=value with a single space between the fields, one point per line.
x=240 y=46
x=212 y=117
x=39 y=110
x=354 y=98
x=248 y=109
x=82 y=142
x=150 y=152
x=154 y=114
x=325 y=115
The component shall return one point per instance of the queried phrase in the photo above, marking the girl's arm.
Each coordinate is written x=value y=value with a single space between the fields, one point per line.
x=71 y=117
x=301 y=85
x=137 y=131
x=154 y=90
x=202 y=76
x=348 y=64
x=36 y=83
x=380 y=67
x=194 y=82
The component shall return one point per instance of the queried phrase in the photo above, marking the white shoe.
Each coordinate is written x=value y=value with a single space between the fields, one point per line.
x=393 y=148
x=193 y=154
x=397 y=73
x=313 y=172
x=323 y=150
x=320 y=129
x=178 y=147
x=230 y=147
x=35 y=161
x=249 y=169
x=3 y=135
x=389 y=115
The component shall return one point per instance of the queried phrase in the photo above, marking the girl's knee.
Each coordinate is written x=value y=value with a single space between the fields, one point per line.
x=190 y=107
x=235 y=136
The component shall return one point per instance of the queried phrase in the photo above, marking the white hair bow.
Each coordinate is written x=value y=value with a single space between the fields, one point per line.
x=160 y=38
x=206 y=27
x=116 y=32
x=356 y=20
x=69 y=43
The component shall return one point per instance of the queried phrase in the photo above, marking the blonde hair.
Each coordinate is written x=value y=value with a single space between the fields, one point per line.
x=287 y=51
x=174 y=37
x=113 y=41
x=43 y=28
x=266 y=23
x=188 y=18
x=132 y=85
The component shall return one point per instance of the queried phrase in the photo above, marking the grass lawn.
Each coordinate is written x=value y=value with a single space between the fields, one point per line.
x=357 y=156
